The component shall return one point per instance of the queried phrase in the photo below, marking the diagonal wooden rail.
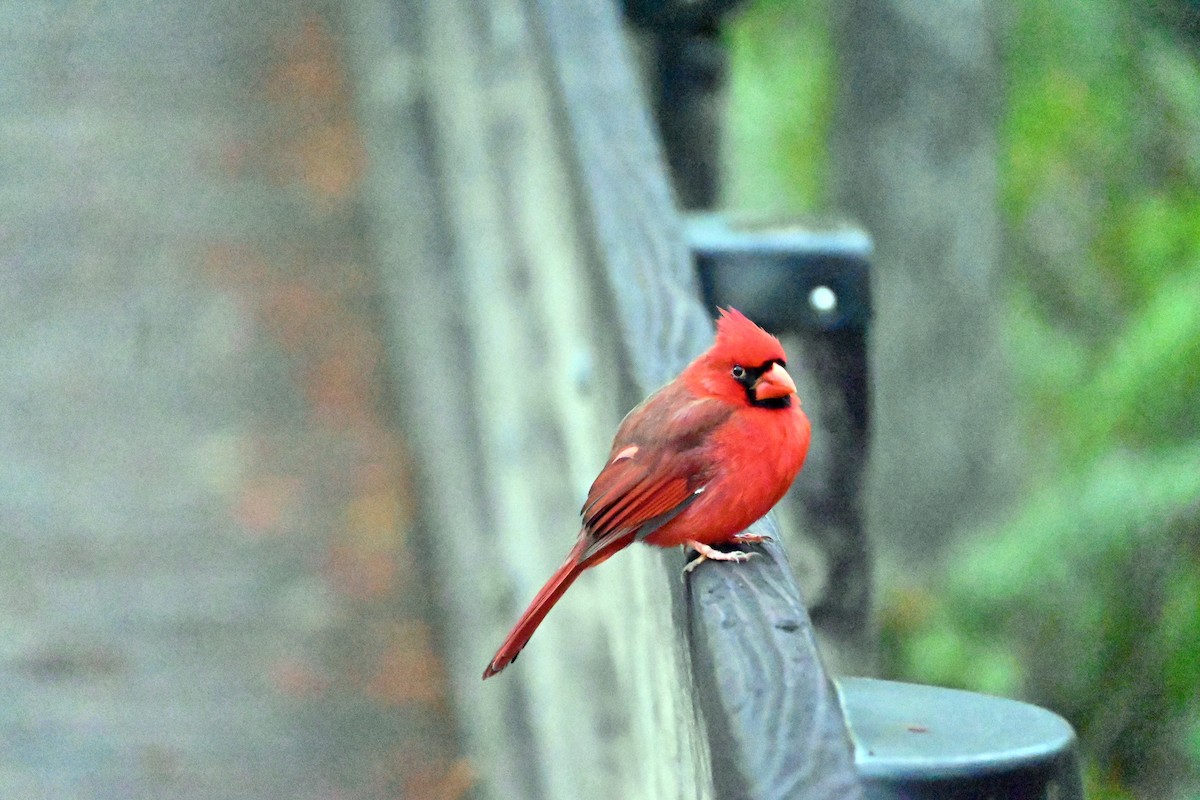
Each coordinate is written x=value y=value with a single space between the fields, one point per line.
x=538 y=284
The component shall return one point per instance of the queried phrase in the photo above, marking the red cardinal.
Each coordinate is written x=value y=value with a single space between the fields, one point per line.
x=695 y=464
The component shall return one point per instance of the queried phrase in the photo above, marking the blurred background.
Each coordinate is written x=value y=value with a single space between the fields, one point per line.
x=209 y=582
x=1034 y=194
x=206 y=587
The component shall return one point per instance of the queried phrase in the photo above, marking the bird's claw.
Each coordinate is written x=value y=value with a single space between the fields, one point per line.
x=707 y=553
x=751 y=538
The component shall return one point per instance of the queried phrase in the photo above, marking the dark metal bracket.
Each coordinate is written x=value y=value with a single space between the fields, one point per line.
x=795 y=278
x=813 y=284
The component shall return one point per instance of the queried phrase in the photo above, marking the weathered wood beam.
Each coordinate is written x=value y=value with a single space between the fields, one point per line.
x=538 y=285
x=774 y=722
x=775 y=728
x=510 y=379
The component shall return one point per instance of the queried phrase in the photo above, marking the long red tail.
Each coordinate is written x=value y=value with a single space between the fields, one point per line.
x=559 y=582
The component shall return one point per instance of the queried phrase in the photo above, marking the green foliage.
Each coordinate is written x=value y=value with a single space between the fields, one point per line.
x=1086 y=596
x=1093 y=583
x=1089 y=593
x=781 y=97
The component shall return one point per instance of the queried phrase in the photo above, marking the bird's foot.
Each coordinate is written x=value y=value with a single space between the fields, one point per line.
x=751 y=538
x=709 y=554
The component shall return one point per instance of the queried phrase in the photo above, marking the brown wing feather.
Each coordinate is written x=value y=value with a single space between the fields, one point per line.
x=660 y=477
x=637 y=498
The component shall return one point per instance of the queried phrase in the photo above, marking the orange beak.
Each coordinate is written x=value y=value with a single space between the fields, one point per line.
x=774 y=383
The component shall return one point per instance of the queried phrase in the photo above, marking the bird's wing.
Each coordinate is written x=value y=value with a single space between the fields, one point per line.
x=656 y=468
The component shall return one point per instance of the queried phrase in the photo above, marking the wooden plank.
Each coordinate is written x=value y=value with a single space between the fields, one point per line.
x=751 y=636
x=431 y=350
x=494 y=309
x=636 y=229
x=538 y=286
x=544 y=430
x=774 y=722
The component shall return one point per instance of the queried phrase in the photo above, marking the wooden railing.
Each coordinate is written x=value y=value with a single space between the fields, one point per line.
x=540 y=284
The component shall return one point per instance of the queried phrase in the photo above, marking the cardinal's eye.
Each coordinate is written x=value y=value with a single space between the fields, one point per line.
x=739 y=372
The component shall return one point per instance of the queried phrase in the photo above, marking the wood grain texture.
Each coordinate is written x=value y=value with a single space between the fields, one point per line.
x=508 y=380
x=423 y=298
x=539 y=285
x=635 y=228
x=773 y=718
x=545 y=408
x=801 y=753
